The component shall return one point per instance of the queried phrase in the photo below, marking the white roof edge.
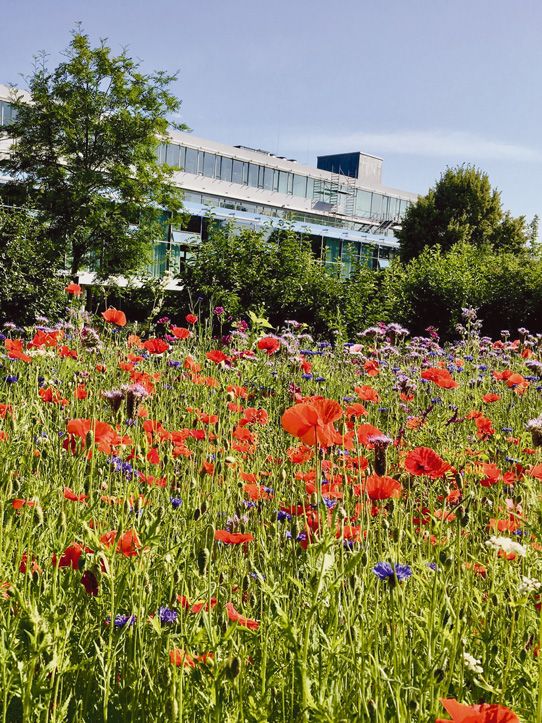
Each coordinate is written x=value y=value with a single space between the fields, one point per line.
x=244 y=154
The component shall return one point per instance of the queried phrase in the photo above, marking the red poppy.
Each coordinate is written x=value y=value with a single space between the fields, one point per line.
x=236 y=617
x=104 y=435
x=129 y=544
x=484 y=427
x=312 y=421
x=441 y=377
x=233 y=538
x=536 y=471
x=156 y=346
x=179 y=657
x=252 y=415
x=382 y=488
x=5 y=409
x=196 y=607
x=46 y=338
x=114 y=316
x=216 y=356
x=71 y=557
x=18 y=503
x=69 y=494
x=257 y=492
x=14 y=348
x=80 y=392
x=269 y=345
x=423 y=461
x=492 y=475
x=372 y=368
x=483 y=713
x=191 y=318
x=490 y=398
x=355 y=410
x=367 y=394
x=73 y=289
x=66 y=353
x=180 y=332
x=24 y=566
x=365 y=432
x=52 y=396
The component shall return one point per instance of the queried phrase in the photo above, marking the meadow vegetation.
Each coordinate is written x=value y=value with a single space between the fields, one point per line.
x=251 y=526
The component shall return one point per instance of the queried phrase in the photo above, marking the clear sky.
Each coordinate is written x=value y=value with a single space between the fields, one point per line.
x=424 y=83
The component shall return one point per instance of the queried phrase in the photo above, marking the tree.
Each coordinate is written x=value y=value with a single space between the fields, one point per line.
x=84 y=156
x=461 y=207
x=247 y=270
x=29 y=283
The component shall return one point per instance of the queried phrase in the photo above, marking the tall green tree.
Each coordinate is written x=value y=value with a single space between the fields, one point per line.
x=84 y=156
x=461 y=207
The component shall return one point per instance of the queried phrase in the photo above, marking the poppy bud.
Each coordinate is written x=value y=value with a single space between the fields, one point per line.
x=232 y=670
x=203 y=559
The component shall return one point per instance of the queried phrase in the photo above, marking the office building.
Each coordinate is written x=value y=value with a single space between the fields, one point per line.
x=340 y=206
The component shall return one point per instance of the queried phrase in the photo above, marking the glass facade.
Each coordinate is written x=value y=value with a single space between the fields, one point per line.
x=353 y=209
x=347 y=199
x=7 y=114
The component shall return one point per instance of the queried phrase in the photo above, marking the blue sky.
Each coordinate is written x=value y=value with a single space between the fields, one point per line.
x=424 y=83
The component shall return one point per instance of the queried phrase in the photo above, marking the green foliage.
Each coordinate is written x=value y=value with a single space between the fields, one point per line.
x=245 y=271
x=84 y=156
x=432 y=289
x=30 y=284
x=461 y=207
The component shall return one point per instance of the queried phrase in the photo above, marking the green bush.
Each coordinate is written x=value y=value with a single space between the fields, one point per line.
x=31 y=284
x=432 y=289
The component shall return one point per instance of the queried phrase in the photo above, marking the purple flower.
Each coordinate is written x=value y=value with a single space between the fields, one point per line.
x=167 y=615
x=176 y=502
x=121 y=620
x=387 y=571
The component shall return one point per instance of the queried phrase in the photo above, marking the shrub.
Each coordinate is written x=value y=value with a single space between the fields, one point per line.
x=30 y=281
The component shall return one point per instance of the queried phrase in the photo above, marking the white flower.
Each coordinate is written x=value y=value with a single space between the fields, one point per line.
x=472 y=663
x=529 y=585
x=40 y=351
x=507 y=545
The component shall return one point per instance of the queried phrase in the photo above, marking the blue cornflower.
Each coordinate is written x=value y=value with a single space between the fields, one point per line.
x=122 y=620
x=282 y=515
x=387 y=571
x=176 y=502
x=12 y=379
x=167 y=615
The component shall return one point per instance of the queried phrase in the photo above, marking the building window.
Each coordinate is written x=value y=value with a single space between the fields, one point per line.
x=226 y=169
x=300 y=185
x=376 y=205
x=240 y=171
x=268 y=178
x=209 y=162
x=283 y=181
x=191 y=161
x=253 y=175
x=172 y=155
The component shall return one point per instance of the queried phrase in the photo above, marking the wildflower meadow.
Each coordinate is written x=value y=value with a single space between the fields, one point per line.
x=224 y=522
